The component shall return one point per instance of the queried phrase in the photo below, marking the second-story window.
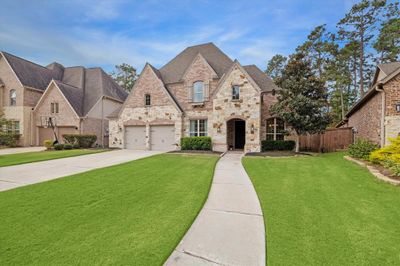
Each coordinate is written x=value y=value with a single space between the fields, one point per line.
x=235 y=92
x=13 y=97
x=147 y=100
x=198 y=91
x=54 y=108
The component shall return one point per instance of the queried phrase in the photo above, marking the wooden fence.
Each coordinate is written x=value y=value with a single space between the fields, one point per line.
x=332 y=140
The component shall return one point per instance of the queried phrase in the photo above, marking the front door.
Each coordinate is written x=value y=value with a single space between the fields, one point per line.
x=240 y=134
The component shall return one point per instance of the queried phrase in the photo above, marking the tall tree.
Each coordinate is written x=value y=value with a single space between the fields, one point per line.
x=358 y=26
x=388 y=42
x=302 y=101
x=125 y=75
x=275 y=66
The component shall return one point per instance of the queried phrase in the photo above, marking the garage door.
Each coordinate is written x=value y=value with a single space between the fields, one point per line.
x=135 y=137
x=65 y=130
x=162 y=138
x=45 y=134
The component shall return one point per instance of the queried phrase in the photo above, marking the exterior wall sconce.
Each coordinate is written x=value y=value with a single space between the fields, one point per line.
x=398 y=107
x=252 y=129
x=219 y=129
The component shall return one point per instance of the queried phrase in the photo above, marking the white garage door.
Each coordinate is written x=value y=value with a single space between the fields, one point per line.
x=162 y=138
x=135 y=137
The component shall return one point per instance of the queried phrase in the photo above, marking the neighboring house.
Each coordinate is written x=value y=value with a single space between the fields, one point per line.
x=201 y=92
x=76 y=99
x=376 y=116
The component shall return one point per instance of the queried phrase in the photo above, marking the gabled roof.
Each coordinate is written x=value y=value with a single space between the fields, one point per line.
x=173 y=71
x=31 y=74
x=389 y=68
x=263 y=81
x=73 y=95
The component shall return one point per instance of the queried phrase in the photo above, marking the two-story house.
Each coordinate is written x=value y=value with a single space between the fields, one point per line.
x=74 y=99
x=201 y=92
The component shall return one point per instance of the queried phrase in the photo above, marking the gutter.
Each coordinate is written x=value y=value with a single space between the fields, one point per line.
x=379 y=88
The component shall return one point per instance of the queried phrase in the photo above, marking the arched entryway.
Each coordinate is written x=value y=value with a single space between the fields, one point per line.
x=236 y=134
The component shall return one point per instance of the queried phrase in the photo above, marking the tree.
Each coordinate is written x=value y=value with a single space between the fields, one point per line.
x=302 y=102
x=125 y=75
x=358 y=26
x=275 y=66
x=388 y=42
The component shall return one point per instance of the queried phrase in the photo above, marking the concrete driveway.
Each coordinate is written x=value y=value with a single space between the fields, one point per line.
x=31 y=173
x=20 y=150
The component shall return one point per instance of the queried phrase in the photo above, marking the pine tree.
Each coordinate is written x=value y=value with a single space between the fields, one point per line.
x=125 y=75
x=302 y=102
x=275 y=66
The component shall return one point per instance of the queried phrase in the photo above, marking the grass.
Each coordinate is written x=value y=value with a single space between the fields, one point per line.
x=324 y=210
x=30 y=157
x=130 y=214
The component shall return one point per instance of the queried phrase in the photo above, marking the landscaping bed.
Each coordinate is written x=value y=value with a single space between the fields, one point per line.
x=129 y=214
x=277 y=154
x=196 y=152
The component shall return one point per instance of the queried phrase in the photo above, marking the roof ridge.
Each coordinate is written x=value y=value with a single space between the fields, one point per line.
x=26 y=60
x=63 y=83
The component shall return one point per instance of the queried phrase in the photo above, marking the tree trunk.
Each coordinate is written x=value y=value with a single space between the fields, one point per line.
x=297 y=142
x=361 y=74
x=342 y=102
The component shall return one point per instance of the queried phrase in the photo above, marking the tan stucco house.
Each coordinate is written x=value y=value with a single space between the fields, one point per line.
x=376 y=116
x=76 y=99
x=201 y=92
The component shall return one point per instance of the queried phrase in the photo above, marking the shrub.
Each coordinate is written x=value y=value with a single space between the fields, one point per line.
x=8 y=139
x=75 y=146
x=68 y=146
x=196 y=143
x=388 y=156
x=48 y=143
x=280 y=145
x=58 y=146
x=362 y=149
x=83 y=140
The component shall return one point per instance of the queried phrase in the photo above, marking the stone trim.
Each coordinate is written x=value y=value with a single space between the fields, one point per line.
x=374 y=171
x=161 y=122
x=134 y=122
x=235 y=117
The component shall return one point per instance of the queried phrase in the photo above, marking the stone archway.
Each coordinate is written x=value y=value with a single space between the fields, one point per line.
x=236 y=134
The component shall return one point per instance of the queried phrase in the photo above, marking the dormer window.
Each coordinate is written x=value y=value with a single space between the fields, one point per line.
x=198 y=92
x=235 y=92
x=147 y=100
x=13 y=97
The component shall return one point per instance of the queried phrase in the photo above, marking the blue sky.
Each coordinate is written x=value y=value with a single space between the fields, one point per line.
x=105 y=33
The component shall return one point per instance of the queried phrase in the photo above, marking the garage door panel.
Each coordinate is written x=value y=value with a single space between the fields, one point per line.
x=162 y=138
x=45 y=134
x=135 y=137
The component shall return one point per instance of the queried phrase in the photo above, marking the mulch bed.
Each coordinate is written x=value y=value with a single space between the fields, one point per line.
x=196 y=152
x=278 y=154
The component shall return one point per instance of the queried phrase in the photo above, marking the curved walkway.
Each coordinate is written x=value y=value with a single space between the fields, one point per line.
x=229 y=230
x=31 y=173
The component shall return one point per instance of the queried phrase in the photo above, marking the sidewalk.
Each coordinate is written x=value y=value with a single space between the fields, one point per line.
x=230 y=228
x=20 y=150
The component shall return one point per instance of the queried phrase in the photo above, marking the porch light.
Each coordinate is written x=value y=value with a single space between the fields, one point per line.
x=252 y=129
x=219 y=129
x=398 y=107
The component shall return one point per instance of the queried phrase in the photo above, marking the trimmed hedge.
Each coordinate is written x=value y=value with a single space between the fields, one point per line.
x=68 y=146
x=196 y=143
x=277 y=145
x=9 y=139
x=81 y=140
x=58 y=146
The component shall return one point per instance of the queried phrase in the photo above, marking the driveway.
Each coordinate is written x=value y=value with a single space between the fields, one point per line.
x=20 y=150
x=31 y=173
x=229 y=230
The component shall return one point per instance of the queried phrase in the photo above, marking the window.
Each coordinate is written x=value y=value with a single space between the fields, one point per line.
x=275 y=129
x=54 y=108
x=13 y=127
x=13 y=97
x=198 y=128
x=147 y=100
x=198 y=91
x=235 y=92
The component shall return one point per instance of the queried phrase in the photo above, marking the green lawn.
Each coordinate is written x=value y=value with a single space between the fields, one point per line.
x=325 y=210
x=130 y=214
x=30 y=157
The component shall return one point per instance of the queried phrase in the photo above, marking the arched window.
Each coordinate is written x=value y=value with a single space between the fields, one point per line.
x=198 y=91
x=275 y=129
x=13 y=97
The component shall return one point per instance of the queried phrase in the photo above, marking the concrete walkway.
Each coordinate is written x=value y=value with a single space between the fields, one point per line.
x=230 y=228
x=20 y=150
x=31 y=173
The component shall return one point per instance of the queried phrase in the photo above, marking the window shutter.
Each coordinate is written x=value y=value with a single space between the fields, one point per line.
x=206 y=90
x=189 y=88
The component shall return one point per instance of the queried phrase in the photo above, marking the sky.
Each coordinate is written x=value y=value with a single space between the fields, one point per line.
x=106 y=33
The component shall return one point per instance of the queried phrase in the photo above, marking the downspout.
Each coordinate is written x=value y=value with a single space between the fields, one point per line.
x=102 y=122
x=32 y=127
x=383 y=105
